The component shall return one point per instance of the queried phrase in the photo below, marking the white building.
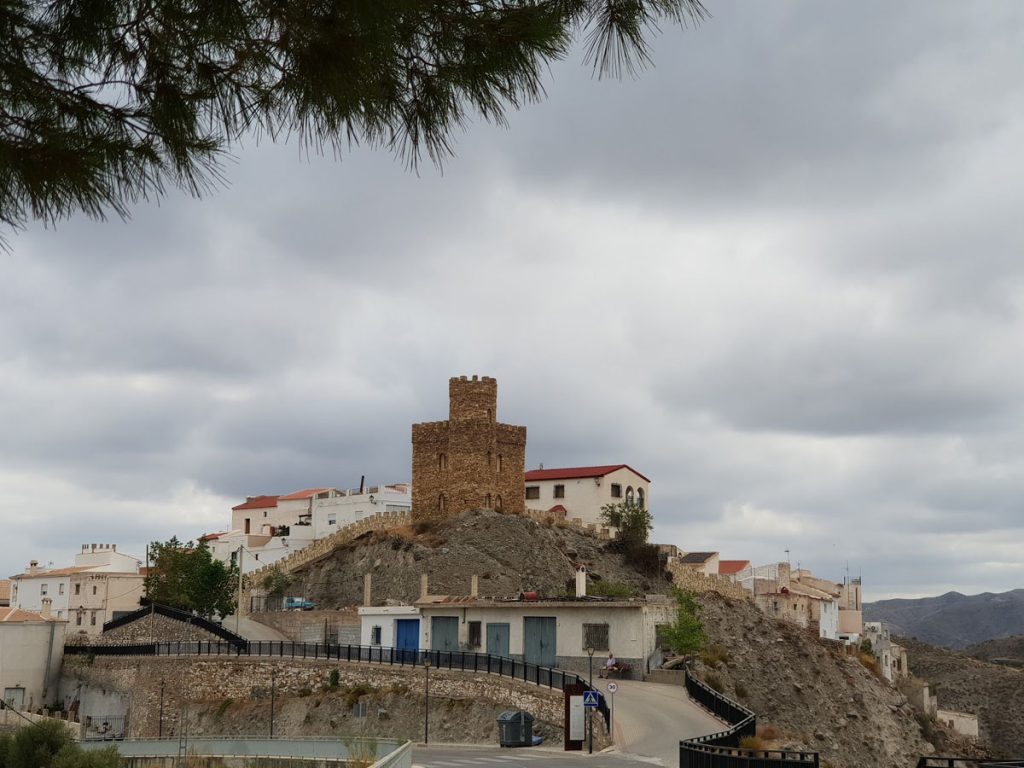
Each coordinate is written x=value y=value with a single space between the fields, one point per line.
x=341 y=508
x=390 y=626
x=31 y=651
x=581 y=492
x=101 y=585
x=551 y=633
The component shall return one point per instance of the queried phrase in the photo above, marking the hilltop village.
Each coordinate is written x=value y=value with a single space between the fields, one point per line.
x=472 y=552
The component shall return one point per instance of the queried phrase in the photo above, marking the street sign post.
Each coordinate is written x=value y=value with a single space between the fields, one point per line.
x=612 y=688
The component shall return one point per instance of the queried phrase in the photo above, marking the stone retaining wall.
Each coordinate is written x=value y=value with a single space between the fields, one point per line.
x=153 y=628
x=308 y=626
x=195 y=679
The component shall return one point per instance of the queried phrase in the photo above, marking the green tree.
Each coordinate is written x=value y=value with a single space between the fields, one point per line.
x=185 y=575
x=36 y=746
x=276 y=582
x=104 y=102
x=633 y=521
x=686 y=636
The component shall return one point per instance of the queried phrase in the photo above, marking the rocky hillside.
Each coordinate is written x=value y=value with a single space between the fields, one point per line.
x=995 y=693
x=1008 y=650
x=953 y=620
x=510 y=554
x=815 y=696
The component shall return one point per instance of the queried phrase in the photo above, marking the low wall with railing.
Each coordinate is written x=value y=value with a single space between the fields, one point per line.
x=695 y=581
x=722 y=749
x=10 y=718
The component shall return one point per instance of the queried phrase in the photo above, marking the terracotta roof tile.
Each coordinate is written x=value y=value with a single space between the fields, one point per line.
x=5 y=590
x=729 y=567
x=572 y=473
x=15 y=615
x=303 y=494
x=258 y=502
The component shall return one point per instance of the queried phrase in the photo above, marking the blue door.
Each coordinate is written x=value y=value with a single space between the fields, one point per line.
x=539 y=640
x=407 y=638
x=497 y=639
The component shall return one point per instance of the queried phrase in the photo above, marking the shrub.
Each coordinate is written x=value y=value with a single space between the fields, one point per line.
x=223 y=707
x=303 y=692
x=751 y=742
x=869 y=663
x=422 y=526
x=36 y=746
x=714 y=655
x=609 y=589
x=333 y=679
x=713 y=681
x=356 y=692
x=741 y=691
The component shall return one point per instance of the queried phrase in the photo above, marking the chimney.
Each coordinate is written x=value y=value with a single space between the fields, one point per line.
x=474 y=586
x=46 y=612
x=424 y=586
x=368 y=589
x=33 y=566
x=784 y=575
x=581 y=581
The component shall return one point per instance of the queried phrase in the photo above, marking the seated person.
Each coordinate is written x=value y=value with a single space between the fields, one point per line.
x=610 y=665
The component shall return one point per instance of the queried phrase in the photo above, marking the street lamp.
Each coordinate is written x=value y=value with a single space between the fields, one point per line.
x=426 y=706
x=590 y=710
x=273 y=691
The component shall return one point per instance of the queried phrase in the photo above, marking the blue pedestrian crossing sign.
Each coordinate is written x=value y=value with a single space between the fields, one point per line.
x=590 y=698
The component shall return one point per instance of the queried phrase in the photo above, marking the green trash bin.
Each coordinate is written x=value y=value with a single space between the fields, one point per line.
x=515 y=729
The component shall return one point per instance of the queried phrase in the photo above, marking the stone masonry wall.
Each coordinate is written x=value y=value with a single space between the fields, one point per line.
x=689 y=579
x=308 y=626
x=198 y=679
x=470 y=461
x=148 y=629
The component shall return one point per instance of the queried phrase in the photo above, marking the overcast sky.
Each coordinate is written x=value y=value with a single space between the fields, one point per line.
x=780 y=274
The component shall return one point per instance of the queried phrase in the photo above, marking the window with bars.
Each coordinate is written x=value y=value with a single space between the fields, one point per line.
x=475 y=634
x=375 y=636
x=595 y=636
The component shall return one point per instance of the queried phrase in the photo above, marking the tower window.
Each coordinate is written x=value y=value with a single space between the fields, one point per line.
x=497 y=502
x=499 y=462
x=487 y=501
x=442 y=461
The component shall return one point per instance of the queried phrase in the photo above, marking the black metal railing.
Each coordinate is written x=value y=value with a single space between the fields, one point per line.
x=462 y=661
x=178 y=615
x=105 y=727
x=943 y=761
x=722 y=749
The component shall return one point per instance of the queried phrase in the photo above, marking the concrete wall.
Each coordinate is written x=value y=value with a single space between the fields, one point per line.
x=30 y=660
x=385 y=618
x=105 y=557
x=95 y=596
x=963 y=723
x=27 y=593
x=308 y=626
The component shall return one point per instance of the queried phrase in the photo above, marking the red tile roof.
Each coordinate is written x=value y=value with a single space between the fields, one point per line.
x=729 y=567
x=304 y=494
x=16 y=615
x=258 y=502
x=572 y=473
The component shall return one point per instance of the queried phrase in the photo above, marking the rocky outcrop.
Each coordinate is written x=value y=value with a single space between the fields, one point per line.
x=509 y=553
x=809 y=690
x=993 y=692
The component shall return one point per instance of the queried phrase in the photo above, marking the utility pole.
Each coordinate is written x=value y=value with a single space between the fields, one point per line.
x=238 y=608
x=273 y=691
x=161 y=726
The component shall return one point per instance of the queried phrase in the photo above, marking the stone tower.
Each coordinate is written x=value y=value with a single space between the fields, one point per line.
x=470 y=461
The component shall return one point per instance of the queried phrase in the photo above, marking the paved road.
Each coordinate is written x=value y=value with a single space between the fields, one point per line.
x=252 y=630
x=448 y=756
x=651 y=718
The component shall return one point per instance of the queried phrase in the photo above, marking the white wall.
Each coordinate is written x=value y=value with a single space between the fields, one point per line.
x=631 y=628
x=27 y=593
x=584 y=497
x=30 y=658
x=338 y=511
x=828 y=619
x=105 y=558
x=384 y=617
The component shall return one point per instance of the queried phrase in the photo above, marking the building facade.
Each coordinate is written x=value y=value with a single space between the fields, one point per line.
x=470 y=461
x=582 y=491
x=31 y=650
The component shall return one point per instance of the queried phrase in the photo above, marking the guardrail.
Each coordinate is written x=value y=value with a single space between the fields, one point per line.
x=461 y=661
x=722 y=749
x=178 y=615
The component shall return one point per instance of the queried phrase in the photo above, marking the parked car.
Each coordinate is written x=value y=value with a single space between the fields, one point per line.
x=298 y=604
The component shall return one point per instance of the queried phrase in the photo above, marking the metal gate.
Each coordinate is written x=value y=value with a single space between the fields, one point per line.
x=407 y=638
x=444 y=633
x=539 y=640
x=497 y=639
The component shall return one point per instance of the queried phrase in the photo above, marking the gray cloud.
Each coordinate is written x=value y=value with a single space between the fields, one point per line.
x=778 y=273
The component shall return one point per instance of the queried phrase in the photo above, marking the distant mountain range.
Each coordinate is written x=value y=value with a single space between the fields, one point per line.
x=953 y=620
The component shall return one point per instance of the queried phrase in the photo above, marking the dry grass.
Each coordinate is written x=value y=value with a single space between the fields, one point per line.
x=751 y=742
x=714 y=655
